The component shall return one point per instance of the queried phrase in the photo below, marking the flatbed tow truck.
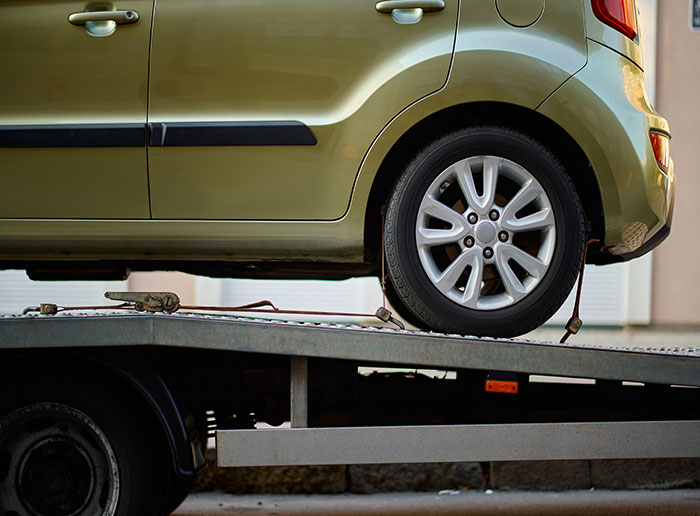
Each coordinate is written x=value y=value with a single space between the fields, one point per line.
x=150 y=387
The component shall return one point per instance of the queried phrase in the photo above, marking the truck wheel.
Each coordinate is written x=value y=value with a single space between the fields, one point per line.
x=74 y=454
x=484 y=234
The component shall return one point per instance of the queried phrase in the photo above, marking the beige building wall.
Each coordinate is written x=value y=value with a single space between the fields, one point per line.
x=184 y=285
x=676 y=268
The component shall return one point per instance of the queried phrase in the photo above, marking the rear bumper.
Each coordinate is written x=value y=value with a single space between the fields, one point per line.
x=650 y=243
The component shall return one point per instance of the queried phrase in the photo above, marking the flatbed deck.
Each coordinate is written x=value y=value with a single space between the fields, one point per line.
x=668 y=366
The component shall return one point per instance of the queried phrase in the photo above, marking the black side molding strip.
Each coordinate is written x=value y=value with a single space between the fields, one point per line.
x=230 y=133
x=160 y=134
x=79 y=135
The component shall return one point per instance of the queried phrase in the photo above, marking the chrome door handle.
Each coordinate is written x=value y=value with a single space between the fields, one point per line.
x=387 y=6
x=103 y=23
x=118 y=17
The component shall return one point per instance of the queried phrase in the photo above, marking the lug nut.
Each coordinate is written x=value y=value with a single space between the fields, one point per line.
x=488 y=253
x=503 y=236
x=469 y=241
x=472 y=218
x=493 y=214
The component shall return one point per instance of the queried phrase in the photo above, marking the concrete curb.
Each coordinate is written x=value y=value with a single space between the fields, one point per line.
x=536 y=475
x=452 y=503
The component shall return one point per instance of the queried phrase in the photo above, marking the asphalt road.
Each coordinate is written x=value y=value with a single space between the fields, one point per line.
x=680 y=502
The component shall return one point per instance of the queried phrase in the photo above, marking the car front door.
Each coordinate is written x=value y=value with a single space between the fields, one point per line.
x=73 y=109
x=264 y=109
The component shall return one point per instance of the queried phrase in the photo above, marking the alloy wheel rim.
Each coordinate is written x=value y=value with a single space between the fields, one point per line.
x=485 y=232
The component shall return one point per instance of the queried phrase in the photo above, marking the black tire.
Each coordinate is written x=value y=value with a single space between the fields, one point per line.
x=498 y=305
x=397 y=304
x=177 y=489
x=78 y=448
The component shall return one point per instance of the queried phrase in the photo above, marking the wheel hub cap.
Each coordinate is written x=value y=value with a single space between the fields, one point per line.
x=56 y=461
x=56 y=477
x=486 y=232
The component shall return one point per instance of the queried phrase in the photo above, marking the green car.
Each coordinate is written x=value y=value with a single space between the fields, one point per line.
x=476 y=146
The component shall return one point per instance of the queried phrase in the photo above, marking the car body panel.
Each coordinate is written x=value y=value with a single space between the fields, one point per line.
x=55 y=74
x=614 y=133
x=520 y=13
x=69 y=240
x=613 y=39
x=494 y=62
x=340 y=67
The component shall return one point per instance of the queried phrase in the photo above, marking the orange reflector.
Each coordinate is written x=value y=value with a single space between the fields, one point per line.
x=660 y=143
x=501 y=386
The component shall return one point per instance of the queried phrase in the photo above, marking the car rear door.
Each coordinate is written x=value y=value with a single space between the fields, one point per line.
x=73 y=108
x=264 y=109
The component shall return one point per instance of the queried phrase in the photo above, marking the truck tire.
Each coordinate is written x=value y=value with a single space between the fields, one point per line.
x=484 y=234
x=176 y=491
x=78 y=449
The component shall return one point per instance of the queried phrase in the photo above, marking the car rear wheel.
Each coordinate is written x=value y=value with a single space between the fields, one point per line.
x=484 y=234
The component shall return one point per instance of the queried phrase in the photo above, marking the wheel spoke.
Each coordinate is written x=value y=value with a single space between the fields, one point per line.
x=437 y=210
x=534 y=267
x=465 y=177
x=512 y=284
x=472 y=290
x=431 y=237
x=491 y=166
x=447 y=280
x=528 y=193
x=541 y=220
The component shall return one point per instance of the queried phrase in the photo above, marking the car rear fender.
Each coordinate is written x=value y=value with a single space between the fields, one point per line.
x=494 y=62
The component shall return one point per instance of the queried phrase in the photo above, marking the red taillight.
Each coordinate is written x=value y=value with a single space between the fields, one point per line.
x=619 y=14
x=660 y=142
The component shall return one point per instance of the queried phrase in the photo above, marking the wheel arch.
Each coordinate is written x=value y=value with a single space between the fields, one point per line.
x=512 y=116
x=133 y=374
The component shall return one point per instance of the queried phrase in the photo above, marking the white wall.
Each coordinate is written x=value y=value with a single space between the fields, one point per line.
x=18 y=292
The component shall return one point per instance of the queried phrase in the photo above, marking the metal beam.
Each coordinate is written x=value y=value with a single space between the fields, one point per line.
x=461 y=443
x=364 y=345
x=299 y=392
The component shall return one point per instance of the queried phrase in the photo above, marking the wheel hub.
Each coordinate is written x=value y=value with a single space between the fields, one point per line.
x=56 y=477
x=486 y=232
x=56 y=461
